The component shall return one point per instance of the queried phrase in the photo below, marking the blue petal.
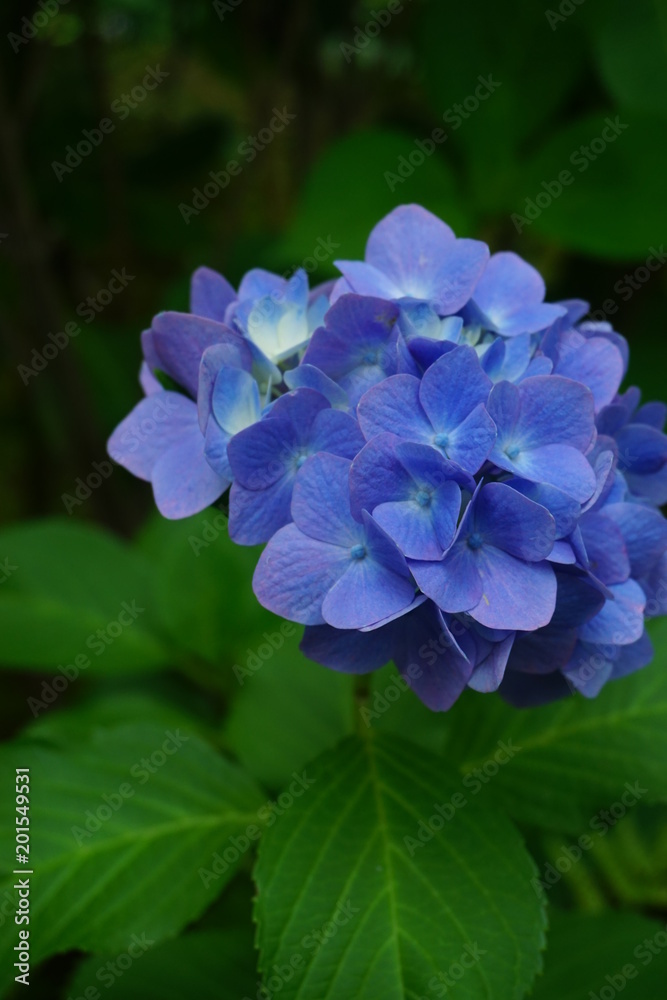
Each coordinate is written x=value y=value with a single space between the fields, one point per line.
x=510 y=521
x=321 y=501
x=453 y=387
x=295 y=573
x=394 y=406
x=235 y=400
x=210 y=294
x=515 y=594
x=180 y=340
x=256 y=515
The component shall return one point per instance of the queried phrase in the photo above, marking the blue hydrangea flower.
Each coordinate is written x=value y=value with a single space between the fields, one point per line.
x=440 y=462
x=266 y=457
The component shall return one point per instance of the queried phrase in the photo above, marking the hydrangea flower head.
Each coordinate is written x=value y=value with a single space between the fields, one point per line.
x=440 y=463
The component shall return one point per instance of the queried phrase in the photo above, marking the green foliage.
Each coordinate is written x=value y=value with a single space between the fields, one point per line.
x=197 y=965
x=203 y=585
x=352 y=153
x=352 y=901
x=118 y=833
x=365 y=159
x=68 y=581
x=287 y=713
x=607 y=952
x=575 y=755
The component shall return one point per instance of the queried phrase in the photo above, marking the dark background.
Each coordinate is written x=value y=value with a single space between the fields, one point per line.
x=361 y=105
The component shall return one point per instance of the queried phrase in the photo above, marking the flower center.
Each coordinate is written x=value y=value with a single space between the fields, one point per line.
x=513 y=452
x=475 y=540
x=423 y=498
x=358 y=552
x=300 y=460
x=441 y=440
x=371 y=357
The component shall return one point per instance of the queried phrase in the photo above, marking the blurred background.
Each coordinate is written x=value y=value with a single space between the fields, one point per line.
x=362 y=96
x=542 y=130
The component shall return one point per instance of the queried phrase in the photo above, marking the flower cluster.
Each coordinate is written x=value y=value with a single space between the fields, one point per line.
x=439 y=462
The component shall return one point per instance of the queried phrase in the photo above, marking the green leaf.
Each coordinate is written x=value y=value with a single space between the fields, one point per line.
x=574 y=756
x=195 y=965
x=108 y=710
x=204 y=591
x=392 y=707
x=603 y=956
x=119 y=830
x=631 y=45
x=354 y=904
x=288 y=712
x=603 y=209
x=70 y=581
x=459 y=51
x=364 y=159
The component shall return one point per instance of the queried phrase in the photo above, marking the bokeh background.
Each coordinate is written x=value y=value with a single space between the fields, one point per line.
x=520 y=93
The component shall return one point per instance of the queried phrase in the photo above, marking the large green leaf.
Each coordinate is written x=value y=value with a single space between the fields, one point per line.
x=346 y=215
x=392 y=707
x=208 y=965
x=288 y=712
x=631 y=46
x=119 y=830
x=204 y=589
x=484 y=93
x=570 y=758
x=108 y=710
x=76 y=592
x=366 y=890
x=603 y=956
x=614 y=204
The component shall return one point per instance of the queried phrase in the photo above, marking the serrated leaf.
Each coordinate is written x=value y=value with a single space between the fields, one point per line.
x=288 y=712
x=590 y=956
x=70 y=581
x=108 y=868
x=353 y=909
x=574 y=756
